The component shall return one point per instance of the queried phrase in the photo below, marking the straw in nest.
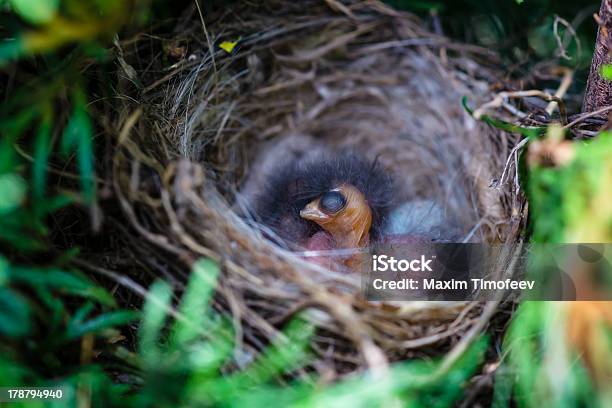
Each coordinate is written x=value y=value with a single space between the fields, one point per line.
x=355 y=75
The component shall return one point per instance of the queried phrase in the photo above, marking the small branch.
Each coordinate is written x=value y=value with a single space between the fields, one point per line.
x=568 y=76
x=587 y=115
x=501 y=99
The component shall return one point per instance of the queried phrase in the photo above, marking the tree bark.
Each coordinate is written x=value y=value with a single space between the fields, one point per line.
x=598 y=91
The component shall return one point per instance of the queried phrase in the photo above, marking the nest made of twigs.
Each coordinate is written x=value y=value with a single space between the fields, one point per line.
x=193 y=141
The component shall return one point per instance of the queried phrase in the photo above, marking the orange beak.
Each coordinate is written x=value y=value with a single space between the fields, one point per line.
x=350 y=227
x=312 y=213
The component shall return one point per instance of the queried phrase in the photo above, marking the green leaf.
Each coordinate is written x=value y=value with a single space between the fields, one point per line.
x=78 y=135
x=66 y=282
x=228 y=46
x=82 y=312
x=52 y=204
x=282 y=356
x=105 y=321
x=17 y=239
x=11 y=50
x=207 y=357
x=505 y=126
x=55 y=310
x=502 y=391
x=35 y=11
x=4 y=270
x=155 y=312
x=606 y=71
x=195 y=301
x=14 y=314
x=12 y=192
x=42 y=148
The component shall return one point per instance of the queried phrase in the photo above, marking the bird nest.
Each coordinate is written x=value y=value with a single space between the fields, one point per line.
x=235 y=90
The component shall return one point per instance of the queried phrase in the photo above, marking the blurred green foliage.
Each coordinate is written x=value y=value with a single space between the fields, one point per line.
x=36 y=12
x=518 y=29
x=48 y=308
x=539 y=367
x=48 y=25
x=576 y=196
x=185 y=357
x=523 y=33
x=569 y=189
x=570 y=198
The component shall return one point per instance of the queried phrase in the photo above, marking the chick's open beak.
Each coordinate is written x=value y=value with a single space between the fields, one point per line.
x=312 y=213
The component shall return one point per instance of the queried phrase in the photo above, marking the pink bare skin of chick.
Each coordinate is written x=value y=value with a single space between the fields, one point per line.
x=346 y=219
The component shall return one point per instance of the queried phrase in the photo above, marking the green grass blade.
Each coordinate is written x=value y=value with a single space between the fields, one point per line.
x=105 y=321
x=14 y=314
x=42 y=149
x=194 y=304
x=155 y=312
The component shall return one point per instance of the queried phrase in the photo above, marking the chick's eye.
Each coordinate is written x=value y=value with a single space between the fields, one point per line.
x=332 y=202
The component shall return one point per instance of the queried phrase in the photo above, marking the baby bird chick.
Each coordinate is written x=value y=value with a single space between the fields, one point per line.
x=331 y=201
